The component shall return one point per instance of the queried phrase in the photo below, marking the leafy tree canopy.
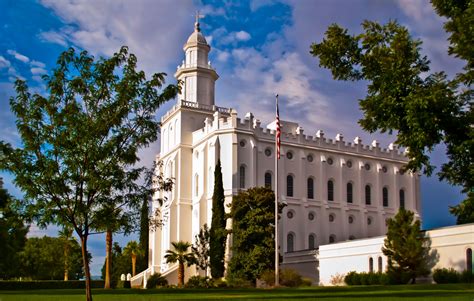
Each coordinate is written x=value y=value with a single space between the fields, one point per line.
x=201 y=248
x=424 y=109
x=80 y=142
x=253 y=240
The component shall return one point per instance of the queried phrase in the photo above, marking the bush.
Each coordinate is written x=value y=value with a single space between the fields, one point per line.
x=219 y=283
x=237 y=282
x=199 y=282
x=446 y=276
x=268 y=277
x=156 y=280
x=396 y=277
x=337 y=279
x=48 y=284
x=306 y=282
x=354 y=278
x=290 y=278
x=351 y=278
x=467 y=277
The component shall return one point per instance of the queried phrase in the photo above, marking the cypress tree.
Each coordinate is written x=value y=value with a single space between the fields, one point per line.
x=218 y=233
x=144 y=228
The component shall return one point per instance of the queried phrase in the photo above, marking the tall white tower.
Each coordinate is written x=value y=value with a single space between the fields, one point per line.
x=195 y=73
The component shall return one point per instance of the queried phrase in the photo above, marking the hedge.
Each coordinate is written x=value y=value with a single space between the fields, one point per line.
x=48 y=284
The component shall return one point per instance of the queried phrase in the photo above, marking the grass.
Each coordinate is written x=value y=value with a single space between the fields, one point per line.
x=451 y=292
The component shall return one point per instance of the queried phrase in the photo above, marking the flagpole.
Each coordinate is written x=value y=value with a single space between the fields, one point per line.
x=277 y=154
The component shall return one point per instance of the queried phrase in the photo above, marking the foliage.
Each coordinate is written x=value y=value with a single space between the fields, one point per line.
x=156 y=280
x=464 y=212
x=337 y=279
x=441 y=276
x=44 y=259
x=65 y=234
x=253 y=218
x=406 y=246
x=47 y=284
x=201 y=248
x=144 y=233
x=371 y=278
x=12 y=235
x=424 y=109
x=288 y=278
x=133 y=250
x=79 y=144
x=181 y=255
x=218 y=232
x=199 y=282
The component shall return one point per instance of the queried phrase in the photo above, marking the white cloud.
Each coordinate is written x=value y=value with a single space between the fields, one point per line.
x=37 y=64
x=4 y=63
x=18 y=56
x=38 y=70
x=54 y=37
x=242 y=35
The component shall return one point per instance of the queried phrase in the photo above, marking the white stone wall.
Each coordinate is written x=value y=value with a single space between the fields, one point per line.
x=448 y=246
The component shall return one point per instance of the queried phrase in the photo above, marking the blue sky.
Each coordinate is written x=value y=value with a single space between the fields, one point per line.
x=259 y=48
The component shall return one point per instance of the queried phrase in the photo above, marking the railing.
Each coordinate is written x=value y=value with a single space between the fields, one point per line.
x=200 y=106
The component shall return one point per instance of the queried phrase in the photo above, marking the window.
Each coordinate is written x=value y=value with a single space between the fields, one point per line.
x=367 y=166
x=351 y=219
x=380 y=264
x=332 y=238
x=242 y=176
x=371 y=265
x=469 y=259
x=289 y=155
x=268 y=152
x=310 y=158
x=331 y=217
x=402 y=199
x=243 y=143
x=196 y=180
x=290 y=214
x=349 y=164
x=384 y=169
x=290 y=242
x=330 y=161
x=268 y=180
x=289 y=185
x=330 y=190
x=385 y=196
x=311 y=216
x=367 y=195
x=310 y=188
x=349 y=192
x=369 y=221
x=311 y=241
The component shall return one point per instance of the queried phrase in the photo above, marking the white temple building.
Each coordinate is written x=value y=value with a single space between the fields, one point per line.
x=336 y=190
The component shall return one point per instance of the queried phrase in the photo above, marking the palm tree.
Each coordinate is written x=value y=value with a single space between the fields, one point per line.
x=133 y=249
x=182 y=256
x=66 y=236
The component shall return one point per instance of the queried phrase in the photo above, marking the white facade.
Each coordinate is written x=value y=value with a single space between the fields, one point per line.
x=451 y=247
x=335 y=190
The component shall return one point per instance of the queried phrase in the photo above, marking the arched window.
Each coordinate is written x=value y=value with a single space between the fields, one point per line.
x=290 y=240
x=311 y=241
x=385 y=196
x=242 y=176
x=402 y=199
x=332 y=238
x=380 y=264
x=371 y=265
x=367 y=195
x=349 y=192
x=310 y=188
x=469 y=260
x=330 y=190
x=289 y=185
x=268 y=180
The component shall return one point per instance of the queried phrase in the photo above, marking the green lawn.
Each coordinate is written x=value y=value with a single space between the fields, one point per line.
x=449 y=292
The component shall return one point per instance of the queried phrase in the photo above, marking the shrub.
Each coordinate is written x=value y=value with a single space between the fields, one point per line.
x=290 y=278
x=156 y=280
x=396 y=277
x=467 y=277
x=268 y=277
x=48 y=284
x=354 y=278
x=446 y=276
x=337 y=279
x=219 y=283
x=238 y=282
x=350 y=278
x=306 y=282
x=199 y=282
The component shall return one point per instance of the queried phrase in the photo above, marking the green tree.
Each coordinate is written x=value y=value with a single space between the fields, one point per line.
x=201 y=248
x=406 y=247
x=253 y=228
x=43 y=258
x=121 y=265
x=181 y=255
x=424 y=109
x=144 y=233
x=79 y=144
x=218 y=232
x=133 y=250
x=12 y=235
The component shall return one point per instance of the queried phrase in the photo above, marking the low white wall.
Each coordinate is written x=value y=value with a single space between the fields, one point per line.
x=448 y=245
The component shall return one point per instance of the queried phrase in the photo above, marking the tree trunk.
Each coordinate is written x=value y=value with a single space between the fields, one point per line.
x=134 y=262
x=87 y=272
x=181 y=274
x=66 y=261
x=108 y=261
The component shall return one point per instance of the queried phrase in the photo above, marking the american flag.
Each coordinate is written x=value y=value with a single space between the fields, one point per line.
x=278 y=130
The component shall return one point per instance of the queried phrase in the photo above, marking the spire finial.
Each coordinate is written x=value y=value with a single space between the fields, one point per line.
x=196 y=24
